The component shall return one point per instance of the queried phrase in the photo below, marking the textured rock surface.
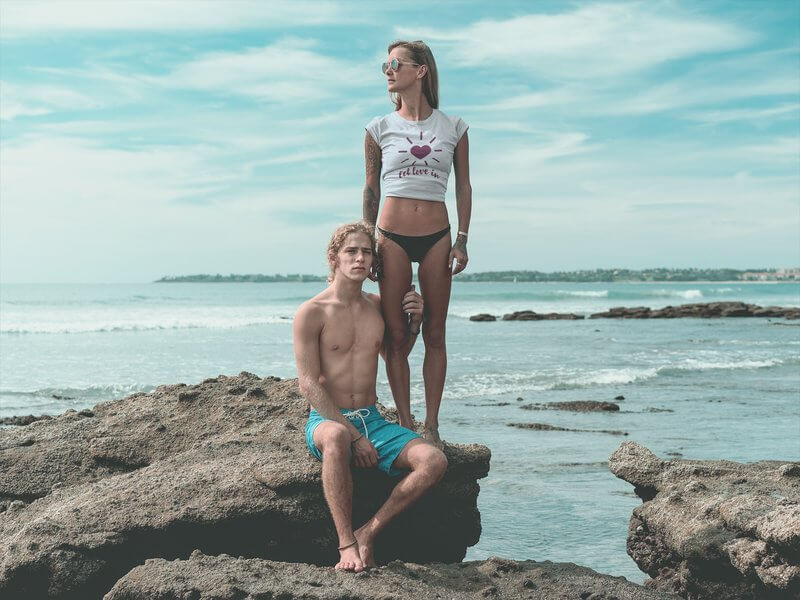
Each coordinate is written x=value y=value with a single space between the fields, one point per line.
x=483 y=317
x=705 y=310
x=714 y=529
x=228 y=578
x=529 y=315
x=547 y=427
x=575 y=406
x=220 y=466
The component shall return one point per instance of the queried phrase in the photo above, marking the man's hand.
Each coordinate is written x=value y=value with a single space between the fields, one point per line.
x=413 y=306
x=364 y=453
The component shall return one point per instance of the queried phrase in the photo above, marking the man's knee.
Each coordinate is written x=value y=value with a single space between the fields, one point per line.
x=334 y=439
x=434 y=334
x=433 y=463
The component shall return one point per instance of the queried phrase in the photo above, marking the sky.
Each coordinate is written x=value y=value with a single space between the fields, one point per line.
x=143 y=138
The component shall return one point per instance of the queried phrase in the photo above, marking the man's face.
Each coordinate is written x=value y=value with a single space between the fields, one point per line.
x=355 y=258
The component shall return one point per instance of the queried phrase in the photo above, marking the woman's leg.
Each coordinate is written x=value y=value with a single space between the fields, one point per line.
x=434 y=280
x=394 y=284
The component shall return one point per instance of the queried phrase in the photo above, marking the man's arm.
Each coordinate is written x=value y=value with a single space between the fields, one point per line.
x=372 y=187
x=308 y=323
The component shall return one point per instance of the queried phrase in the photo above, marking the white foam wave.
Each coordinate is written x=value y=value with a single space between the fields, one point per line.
x=65 y=323
x=505 y=384
x=584 y=294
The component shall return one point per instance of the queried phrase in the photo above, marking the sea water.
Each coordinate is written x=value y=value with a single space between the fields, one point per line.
x=693 y=388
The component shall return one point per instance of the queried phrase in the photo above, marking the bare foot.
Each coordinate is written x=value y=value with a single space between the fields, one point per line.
x=350 y=558
x=365 y=548
x=432 y=435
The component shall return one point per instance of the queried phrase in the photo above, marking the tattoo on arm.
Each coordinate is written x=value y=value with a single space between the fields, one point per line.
x=370 y=207
x=372 y=193
x=461 y=243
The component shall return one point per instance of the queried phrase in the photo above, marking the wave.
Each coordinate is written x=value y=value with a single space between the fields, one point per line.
x=502 y=384
x=121 y=324
x=115 y=390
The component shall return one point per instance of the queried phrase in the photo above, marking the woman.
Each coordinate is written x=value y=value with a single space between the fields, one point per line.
x=415 y=146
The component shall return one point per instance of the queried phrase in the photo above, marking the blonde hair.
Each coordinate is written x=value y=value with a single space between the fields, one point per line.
x=340 y=235
x=419 y=52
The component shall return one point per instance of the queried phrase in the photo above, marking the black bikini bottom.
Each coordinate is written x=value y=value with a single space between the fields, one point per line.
x=416 y=246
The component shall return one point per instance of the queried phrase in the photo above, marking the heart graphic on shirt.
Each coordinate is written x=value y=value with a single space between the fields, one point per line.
x=420 y=151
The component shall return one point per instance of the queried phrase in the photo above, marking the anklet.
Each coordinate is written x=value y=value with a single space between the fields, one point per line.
x=346 y=546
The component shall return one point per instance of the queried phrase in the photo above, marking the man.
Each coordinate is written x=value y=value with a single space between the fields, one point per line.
x=337 y=337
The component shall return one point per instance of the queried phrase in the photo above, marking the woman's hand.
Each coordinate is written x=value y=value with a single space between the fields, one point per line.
x=364 y=453
x=458 y=254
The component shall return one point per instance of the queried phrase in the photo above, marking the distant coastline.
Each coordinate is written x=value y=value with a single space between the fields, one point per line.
x=584 y=276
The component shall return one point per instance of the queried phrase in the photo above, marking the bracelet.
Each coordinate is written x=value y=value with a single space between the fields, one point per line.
x=464 y=233
x=358 y=438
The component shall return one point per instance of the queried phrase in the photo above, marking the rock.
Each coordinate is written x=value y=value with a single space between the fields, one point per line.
x=546 y=427
x=529 y=315
x=228 y=578
x=620 y=397
x=483 y=317
x=158 y=475
x=714 y=529
x=579 y=406
x=704 y=310
x=23 y=420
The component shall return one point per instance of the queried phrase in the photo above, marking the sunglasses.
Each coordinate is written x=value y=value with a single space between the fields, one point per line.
x=394 y=65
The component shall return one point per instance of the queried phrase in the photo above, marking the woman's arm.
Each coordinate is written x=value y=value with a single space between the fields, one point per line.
x=372 y=187
x=463 y=204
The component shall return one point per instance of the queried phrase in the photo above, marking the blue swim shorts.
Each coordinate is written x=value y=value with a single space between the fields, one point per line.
x=389 y=439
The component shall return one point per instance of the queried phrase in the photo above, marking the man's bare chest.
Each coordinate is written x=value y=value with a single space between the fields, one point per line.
x=349 y=332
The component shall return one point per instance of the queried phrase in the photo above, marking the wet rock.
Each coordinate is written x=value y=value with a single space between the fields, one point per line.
x=154 y=475
x=575 y=406
x=529 y=315
x=546 y=427
x=714 y=529
x=228 y=578
x=483 y=317
x=23 y=420
x=703 y=310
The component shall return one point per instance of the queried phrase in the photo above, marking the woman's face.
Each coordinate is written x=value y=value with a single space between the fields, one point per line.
x=406 y=73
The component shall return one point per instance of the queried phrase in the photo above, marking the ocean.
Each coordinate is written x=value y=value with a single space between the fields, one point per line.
x=693 y=388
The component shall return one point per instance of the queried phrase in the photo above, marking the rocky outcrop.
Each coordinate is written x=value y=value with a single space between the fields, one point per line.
x=483 y=317
x=575 y=406
x=228 y=578
x=547 y=427
x=703 y=310
x=714 y=530
x=20 y=420
x=529 y=315
x=221 y=466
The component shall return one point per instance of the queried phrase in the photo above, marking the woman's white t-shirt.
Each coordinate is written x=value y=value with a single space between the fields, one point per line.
x=417 y=155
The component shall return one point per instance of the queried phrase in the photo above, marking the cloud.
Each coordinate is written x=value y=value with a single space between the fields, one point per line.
x=40 y=99
x=757 y=115
x=286 y=71
x=34 y=17
x=594 y=41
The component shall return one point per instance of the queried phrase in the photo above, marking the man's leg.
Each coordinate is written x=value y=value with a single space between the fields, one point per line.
x=333 y=440
x=427 y=465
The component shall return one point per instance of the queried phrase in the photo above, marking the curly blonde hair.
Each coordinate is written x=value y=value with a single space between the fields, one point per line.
x=340 y=235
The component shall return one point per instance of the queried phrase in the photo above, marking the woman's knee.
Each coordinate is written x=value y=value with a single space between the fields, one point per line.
x=398 y=336
x=433 y=332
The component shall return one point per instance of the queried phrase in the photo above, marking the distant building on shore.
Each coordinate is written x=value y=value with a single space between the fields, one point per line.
x=776 y=275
